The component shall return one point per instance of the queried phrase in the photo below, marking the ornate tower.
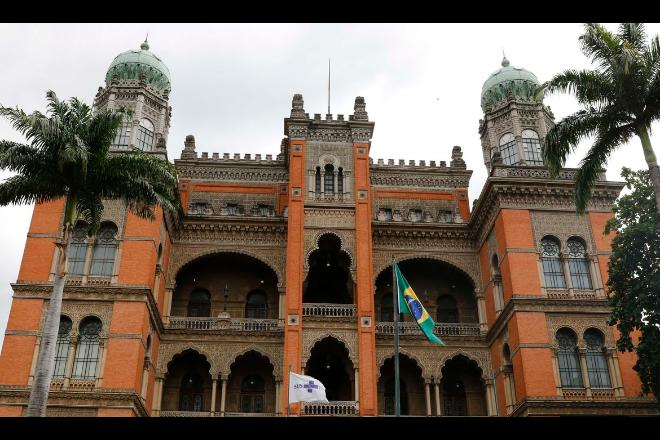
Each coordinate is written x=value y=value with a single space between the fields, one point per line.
x=138 y=81
x=515 y=120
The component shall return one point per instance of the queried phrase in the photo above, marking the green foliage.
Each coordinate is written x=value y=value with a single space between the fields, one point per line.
x=634 y=277
x=67 y=156
x=619 y=99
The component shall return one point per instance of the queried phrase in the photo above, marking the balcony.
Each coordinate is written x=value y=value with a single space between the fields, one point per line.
x=411 y=328
x=329 y=310
x=232 y=324
x=245 y=414
x=185 y=414
x=334 y=408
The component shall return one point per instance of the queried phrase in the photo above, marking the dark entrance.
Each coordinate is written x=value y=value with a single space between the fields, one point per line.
x=328 y=280
x=330 y=364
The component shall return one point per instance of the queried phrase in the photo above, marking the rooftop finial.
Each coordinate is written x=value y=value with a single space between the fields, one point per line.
x=145 y=45
x=505 y=62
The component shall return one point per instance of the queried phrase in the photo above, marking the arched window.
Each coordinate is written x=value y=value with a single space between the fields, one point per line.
x=386 y=308
x=256 y=306
x=252 y=394
x=508 y=149
x=200 y=303
x=145 y=135
x=329 y=180
x=578 y=264
x=192 y=393
x=447 y=310
x=531 y=148
x=553 y=269
x=317 y=180
x=62 y=347
x=454 y=399
x=567 y=357
x=87 y=352
x=340 y=181
x=497 y=284
x=103 y=258
x=77 y=250
x=123 y=135
x=599 y=373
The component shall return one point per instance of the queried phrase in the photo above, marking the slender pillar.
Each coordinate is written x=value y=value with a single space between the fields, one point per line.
x=427 y=395
x=224 y=395
x=438 y=408
x=617 y=373
x=214 y=389
x=555 y=370
x=490 y=398
x=69 y=362
x=158 y=396
x=508 y=398
x=145 y=382
x=481 y=309
x=357 y=384
x=567 y=275
x=585 y=374
x=278 y=399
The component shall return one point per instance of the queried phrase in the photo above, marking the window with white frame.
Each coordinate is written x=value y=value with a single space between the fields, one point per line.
x=145 y=135
x=123 y=135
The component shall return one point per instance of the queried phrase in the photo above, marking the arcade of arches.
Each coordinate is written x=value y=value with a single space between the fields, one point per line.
x=237 y=284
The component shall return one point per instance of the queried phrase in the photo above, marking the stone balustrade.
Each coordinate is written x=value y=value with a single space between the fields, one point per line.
x=334 y=408
x=328 y=310
x=411 y=328
x=185 y=414
x=236 y=324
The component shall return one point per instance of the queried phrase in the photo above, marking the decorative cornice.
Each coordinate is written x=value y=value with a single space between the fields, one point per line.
x=259 y=229
x=232 y=170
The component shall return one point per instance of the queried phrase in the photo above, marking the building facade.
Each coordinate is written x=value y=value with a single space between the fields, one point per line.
x=285 y=263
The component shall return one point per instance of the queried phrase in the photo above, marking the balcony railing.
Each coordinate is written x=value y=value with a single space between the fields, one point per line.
x=335 y=408
x=329 y=310
x=237 y=324
x=411 y=328
x=185 y=414
x=244 y=414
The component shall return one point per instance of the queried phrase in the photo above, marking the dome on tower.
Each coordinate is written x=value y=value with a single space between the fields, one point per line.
x=133 y=63
x=508 y=81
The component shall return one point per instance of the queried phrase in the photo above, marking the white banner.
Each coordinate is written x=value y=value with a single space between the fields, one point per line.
x=305 y=389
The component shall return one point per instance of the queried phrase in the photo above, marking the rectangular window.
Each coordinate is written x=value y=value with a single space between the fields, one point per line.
x=76 y=258
x=599 y=373
x=569 y=369
x=553 y=271
x=103 y=259
x=532 y=151
x=508 y=153
x=145 y=139
x=87 y=357
x=580 y=274
x=123 y=135
x=61 y=356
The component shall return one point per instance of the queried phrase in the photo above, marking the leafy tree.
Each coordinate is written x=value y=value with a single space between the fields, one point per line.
x=67 y=156
x=619 y=99
x=634 y=277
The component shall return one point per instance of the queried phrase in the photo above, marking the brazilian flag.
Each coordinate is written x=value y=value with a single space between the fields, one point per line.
x=409 y=304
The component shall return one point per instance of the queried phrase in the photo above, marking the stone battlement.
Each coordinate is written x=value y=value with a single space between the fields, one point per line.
x=456 y=162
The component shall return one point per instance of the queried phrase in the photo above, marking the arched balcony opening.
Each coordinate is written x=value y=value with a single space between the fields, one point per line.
x=187 y=386
x=251 y=385
x=329 y=363
x=411 y=387
x=329 y=278
x=462 y=389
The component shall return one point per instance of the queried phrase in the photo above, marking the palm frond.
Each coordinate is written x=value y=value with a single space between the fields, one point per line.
x=25 y=190
x=633 y=33
x=599 y=44
x=589 y=86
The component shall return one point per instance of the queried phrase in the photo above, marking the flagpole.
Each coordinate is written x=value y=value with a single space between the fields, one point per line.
x=288 y=383
x=395 y=310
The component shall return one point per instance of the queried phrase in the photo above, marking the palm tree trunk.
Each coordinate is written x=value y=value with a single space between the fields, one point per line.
x=654 y=169
x=46 y=360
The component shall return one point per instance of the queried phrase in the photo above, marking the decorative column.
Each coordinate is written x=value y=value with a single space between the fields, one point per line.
x=357 y=384
x=555 y=370
x=214 y=388
x=69 y=360
x=481 y=309
x=145 y=379
x=616 y=373
x=585 y=374
x=158 y=396
x=438 y=408
x=223 y=399
x=567 y=275
x=490 y=398
x=427 y=395
x=596 y=281
x=89 y=252
x=168 y=305
x=278 y=399
x=103 y=347
x=336 y=181
x=282 y=302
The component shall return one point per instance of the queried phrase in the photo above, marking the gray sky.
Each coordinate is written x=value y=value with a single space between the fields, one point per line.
x=232 y=85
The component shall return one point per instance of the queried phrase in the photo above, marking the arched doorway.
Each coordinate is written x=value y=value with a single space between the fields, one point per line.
x=241 y=285
x=411 y=387
x=463 y=391
x=330 y=364
x=187 y=386
x=446 y=292
x=329 y=277
x=251 y=385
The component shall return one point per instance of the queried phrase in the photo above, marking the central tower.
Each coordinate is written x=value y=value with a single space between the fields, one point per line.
x=329 y=241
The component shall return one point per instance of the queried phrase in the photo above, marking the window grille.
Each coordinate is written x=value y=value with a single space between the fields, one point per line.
x=87 y=352
x=578 y=265
x=62 y=347
x=553 y=268
x=599 y=373
x=103 y=257
x=568 y=359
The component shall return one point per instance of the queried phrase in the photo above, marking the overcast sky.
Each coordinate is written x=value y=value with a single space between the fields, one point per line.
x=232 y=85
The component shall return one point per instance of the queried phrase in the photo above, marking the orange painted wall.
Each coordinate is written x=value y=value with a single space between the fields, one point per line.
x=11 y=411
x=364 y=281
x=184 y=192
x=485 y=281
x=46 y=217
x=16 y=359
x=129 y=317
x=37 y=259
x=25 y=314
x=294 y=265
x=463 y=204
x=521 y=272
x=631 y=383
x=123 y=367
x=598 y=220
x=115 y=412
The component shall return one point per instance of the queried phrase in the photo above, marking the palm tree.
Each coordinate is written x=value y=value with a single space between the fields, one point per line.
x=67 y=156
x=619 y=99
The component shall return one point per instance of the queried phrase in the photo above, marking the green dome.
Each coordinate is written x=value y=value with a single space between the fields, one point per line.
x=132 y=63
x=508 y=81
